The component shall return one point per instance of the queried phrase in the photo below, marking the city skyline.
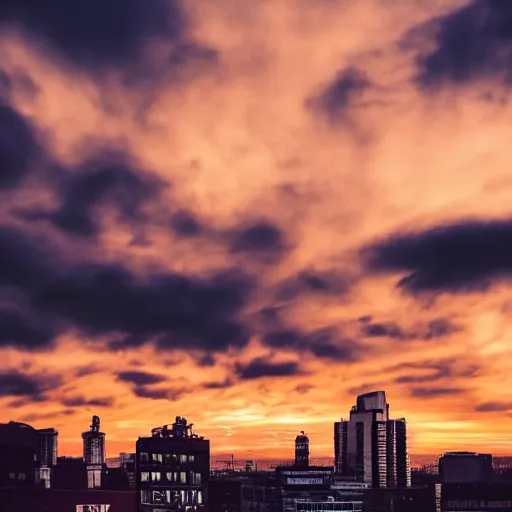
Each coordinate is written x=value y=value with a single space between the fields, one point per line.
x=251 y=214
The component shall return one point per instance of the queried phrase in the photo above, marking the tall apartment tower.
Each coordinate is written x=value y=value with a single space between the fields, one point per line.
x=46 y=446
x=369 y=447
x=94 y=453
x=302 y=450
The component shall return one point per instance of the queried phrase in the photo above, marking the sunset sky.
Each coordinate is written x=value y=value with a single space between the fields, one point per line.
x=249 y=212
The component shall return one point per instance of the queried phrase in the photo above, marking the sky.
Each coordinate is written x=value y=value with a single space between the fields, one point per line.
x=248 y=213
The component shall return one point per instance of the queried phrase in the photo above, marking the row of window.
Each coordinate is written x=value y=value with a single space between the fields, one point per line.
x=175 y=477
x=166 y=458
x=166 y=497
x=20 y=476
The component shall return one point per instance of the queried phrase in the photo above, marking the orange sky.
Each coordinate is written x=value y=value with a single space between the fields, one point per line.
x=249 y=214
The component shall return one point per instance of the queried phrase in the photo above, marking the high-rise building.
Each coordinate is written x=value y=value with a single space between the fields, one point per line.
x=370 y=447
x=94 y=453
x=173 y=466
x=46 y=446
x=302 y=450
x=465 y=467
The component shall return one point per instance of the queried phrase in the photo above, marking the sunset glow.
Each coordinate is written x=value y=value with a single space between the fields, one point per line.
x=247 y=213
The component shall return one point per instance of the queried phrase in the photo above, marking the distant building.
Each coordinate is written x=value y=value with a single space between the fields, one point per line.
x=94 y=453
x=127 y=462
x=465 y=467
x=173 y=466
x=18 y=457
x=302 y=450
x=370 y=447
x=51 y=500
x=46 y=448
x=302 y=483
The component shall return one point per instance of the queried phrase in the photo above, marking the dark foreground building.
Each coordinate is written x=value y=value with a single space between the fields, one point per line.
x=50 y=500
x=173 y=466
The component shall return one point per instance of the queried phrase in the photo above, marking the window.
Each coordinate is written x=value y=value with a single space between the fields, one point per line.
x=144 y=476
x=144 y=457
x=183 y=477
x=196 y=478
x=168 y=477
x=22 y=476
x=191 y=458
x=156 y=476
x=183 y=458
x=157 y=457
x=145 y=497
x=12 y=475
x=199 y=497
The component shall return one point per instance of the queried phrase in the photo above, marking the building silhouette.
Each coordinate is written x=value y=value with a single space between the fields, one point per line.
x=94 y=453
x=465 y=467
x=369 y=447
x=46 y=447
x=302 y=450
x=173 y=467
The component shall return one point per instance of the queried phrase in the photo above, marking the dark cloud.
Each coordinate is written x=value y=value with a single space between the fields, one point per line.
x=104 y=181
x=432 y=330
x=157 y=394
x=324 y=343
x=18 y=147
x=313 y=282
x=174 y=309
x=432 y=371
x=184 y=224
x=435 y=392
x=261 y=237
x=171 y=309
x=262 y=367
x=493 y=407
x=472 y=42
x=340 y=93
x=140 y=378
x=21 y=331
x=94 y=33
x=13 y=383
x=302 y=389
x=460 y=257
x=80 y=401
x=227 y=383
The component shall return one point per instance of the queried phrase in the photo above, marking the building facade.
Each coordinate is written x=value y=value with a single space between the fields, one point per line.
x=173 y=467
x=370 y=447
x=302 y=450
x=46 y=448
x=465 y=467
x=94 y=454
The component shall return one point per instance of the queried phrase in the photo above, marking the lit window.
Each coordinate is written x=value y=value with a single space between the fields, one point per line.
x=156 y=476
x=22 y=476
x=168 y=476
x=144 y=457
x=199 y=497
x=183 y=477
x=183 y=458
x=196 y=478
x=145 y=497
x=191 y=458
x=157 y=457
x=144 y=476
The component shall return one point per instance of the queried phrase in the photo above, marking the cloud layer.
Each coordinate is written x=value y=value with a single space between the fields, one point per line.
x=238 y=214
